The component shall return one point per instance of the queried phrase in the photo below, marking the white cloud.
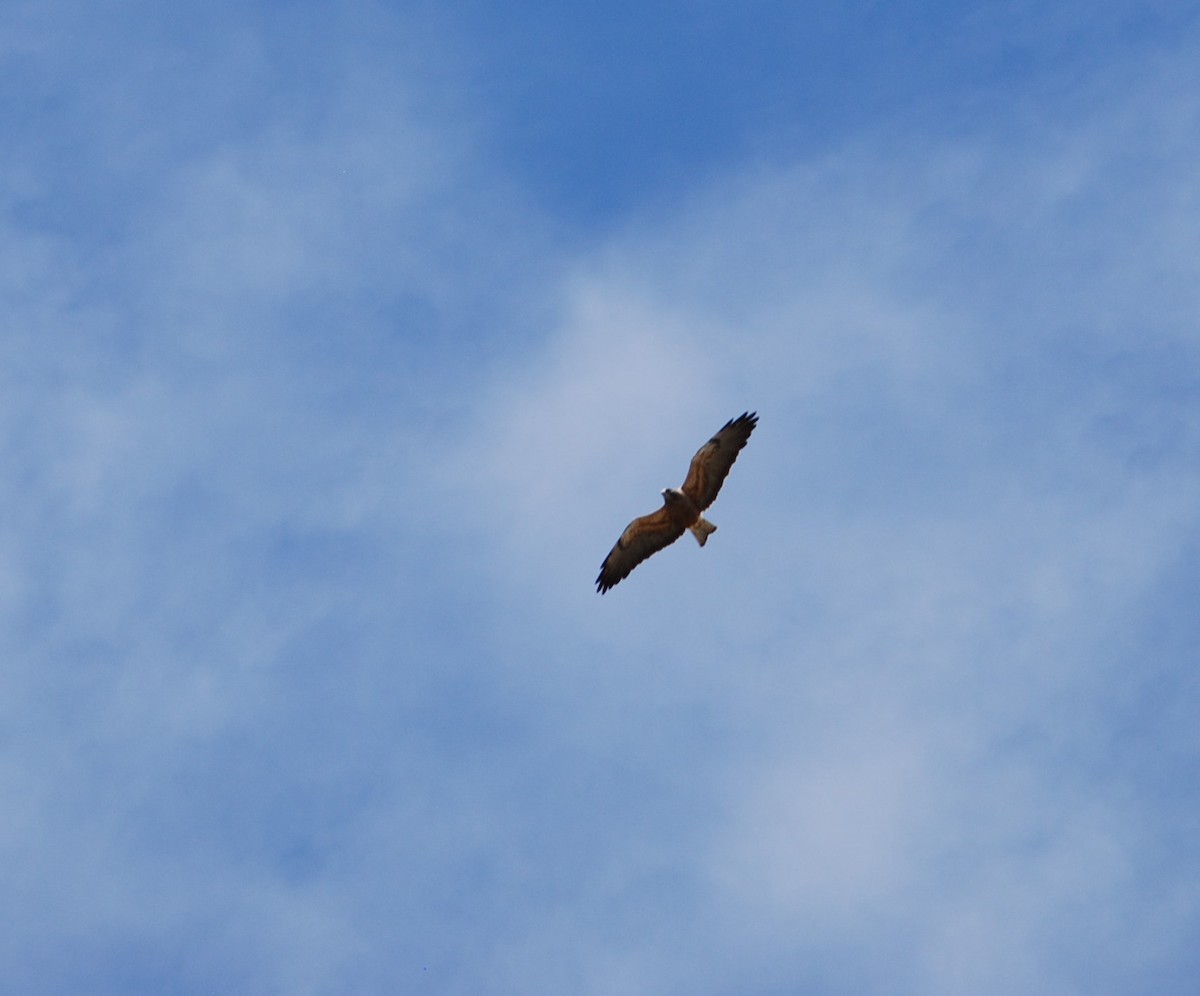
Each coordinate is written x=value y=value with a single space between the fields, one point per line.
x=310 y=677
x=937 y=543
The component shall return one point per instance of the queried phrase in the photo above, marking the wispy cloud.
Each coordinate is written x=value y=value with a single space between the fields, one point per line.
x=316 y=432
x=976 y=464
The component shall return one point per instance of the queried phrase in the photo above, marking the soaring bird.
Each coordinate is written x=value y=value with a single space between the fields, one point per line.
x=681 y=509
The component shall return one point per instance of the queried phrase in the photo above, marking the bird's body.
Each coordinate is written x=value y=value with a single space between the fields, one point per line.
x=683 y=511
x=682 y=507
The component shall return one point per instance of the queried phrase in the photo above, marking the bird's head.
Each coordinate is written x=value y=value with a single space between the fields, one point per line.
x=671 y=495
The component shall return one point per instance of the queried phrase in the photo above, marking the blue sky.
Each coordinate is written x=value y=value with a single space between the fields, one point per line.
x=339 y=343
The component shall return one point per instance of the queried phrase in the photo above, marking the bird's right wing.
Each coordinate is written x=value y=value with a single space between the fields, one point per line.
x=642 y=538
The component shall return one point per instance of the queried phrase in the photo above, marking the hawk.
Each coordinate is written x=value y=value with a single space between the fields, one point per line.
x=645 y=536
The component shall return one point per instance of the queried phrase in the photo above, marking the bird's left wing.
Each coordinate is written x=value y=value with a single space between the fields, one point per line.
x=642 y=538
x=710 y=466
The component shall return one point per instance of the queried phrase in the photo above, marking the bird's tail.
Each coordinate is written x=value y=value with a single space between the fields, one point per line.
x=702 y=529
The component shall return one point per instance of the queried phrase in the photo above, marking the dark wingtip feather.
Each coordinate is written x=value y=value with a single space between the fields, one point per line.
x=751 y=417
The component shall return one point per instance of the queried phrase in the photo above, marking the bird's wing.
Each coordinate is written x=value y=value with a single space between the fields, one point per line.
x=642 y=538
x=712 y=461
